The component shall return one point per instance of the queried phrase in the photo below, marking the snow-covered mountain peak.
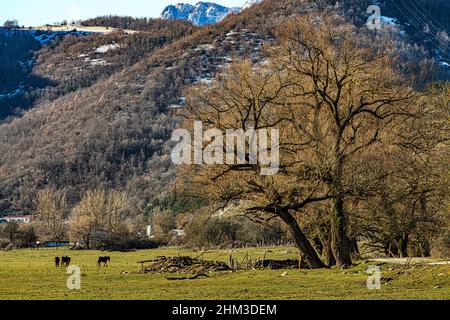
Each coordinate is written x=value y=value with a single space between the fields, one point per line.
x=202 y=13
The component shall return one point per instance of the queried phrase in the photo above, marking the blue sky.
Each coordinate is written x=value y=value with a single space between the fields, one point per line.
x=40 y=12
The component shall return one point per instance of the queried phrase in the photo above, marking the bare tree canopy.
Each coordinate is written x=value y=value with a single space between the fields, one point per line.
x=334 y=96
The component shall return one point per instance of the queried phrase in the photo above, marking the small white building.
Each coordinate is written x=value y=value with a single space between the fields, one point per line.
x=179 y=233
x=150 y=232
x=18 y=218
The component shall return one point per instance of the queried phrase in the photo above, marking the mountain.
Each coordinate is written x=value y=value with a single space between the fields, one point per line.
x=203 y=13
x=107 y=120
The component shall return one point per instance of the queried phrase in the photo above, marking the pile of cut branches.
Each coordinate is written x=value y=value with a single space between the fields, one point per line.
x=186 y=265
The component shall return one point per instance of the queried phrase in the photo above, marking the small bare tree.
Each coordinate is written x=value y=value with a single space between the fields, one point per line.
x=88 y=217
x=103 y=216
x=118 y=208
x=50 y=215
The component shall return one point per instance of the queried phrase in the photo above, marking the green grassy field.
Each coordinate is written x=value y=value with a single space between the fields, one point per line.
x=30 y=274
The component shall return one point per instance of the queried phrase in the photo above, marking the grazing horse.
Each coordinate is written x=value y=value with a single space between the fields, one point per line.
x=65 y=261
x=57 y=261
x=103 y=260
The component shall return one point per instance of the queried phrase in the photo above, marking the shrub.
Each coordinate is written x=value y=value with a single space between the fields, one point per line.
x=124 y=244
x=210 y=232
x=164 y=222
x=441 y=248
x=214 y=232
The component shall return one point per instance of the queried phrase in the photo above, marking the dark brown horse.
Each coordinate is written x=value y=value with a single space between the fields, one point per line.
x=65 y=261
x=103 y=260
x=57 y=261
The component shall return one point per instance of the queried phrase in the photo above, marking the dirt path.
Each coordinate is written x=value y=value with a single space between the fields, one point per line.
x=412 y=261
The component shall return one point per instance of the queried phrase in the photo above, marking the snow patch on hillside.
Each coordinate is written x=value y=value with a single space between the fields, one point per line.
x=203 y=13
x=15 y=93
x=251 y=3
x=389 y=21
x=108 y=47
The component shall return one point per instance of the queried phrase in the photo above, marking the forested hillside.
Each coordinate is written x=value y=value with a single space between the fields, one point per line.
x=115 y=133
x=73 y=62
x=177 y=29
x=110 y=125
x=425 y=22
x=43 y=65
x=16 y=61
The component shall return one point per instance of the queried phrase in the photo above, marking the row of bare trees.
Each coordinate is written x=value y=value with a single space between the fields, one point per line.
x=360 y=148
x=99 y=217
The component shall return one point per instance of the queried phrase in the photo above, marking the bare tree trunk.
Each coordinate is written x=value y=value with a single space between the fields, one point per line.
x=403 y=246
x=424 y=244
x=309 y=254
x=87 y=241
x=318 y=245
x=339 y=243
x=425 y=248
x=339 y=238
x=354 y=249
x=327 y=253
x=391 y=250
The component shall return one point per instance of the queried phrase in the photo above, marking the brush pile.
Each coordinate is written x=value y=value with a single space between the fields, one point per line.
x=186 y=265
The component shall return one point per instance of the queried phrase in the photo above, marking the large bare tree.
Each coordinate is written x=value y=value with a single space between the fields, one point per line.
x=331 y=96
x=346 y=94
